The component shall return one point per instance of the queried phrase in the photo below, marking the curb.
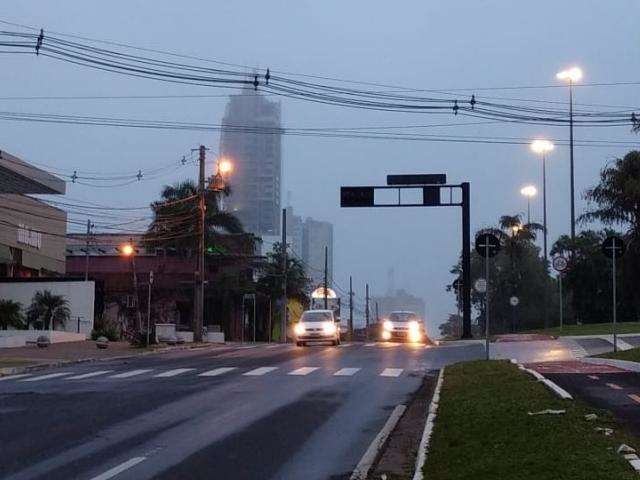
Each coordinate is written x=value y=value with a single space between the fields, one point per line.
x=41 y=366
x=557 y=389
x=428 y=428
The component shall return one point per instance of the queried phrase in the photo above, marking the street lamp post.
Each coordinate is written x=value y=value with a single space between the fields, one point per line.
x=529 y=191
x=542 y=147
x=571 y=75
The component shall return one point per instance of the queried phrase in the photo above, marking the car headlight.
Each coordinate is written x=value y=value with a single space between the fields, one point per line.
x=414 y=327
x=299 y=328
x=329 y=328
x=387 y=325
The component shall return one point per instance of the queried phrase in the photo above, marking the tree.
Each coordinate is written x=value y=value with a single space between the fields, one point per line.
x=176 y=218
x=615 y=201
x=48 y=310
x=11 y=314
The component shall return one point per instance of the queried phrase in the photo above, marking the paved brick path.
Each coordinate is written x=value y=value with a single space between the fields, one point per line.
x=573 y=367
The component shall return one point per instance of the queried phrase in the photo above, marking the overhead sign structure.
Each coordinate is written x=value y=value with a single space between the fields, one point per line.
x=614 y=248
x=435 y=193
x=560 y=263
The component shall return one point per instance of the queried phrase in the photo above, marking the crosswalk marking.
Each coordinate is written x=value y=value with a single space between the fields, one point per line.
x=131 y=373
x=15 y=377
x=89 y=375
x=346 y=372
x=303 y=371
x=216 y=371
x=343 y=345
x=369 y=344
x=259 y=371
x=46 y=377
x=391 y=372
x=173 y=373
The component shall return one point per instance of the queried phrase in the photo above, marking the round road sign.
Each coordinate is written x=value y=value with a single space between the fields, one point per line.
x=514 y=301
x=560 y=263
x=613 y=244
x=487 y=245
x=480 y=285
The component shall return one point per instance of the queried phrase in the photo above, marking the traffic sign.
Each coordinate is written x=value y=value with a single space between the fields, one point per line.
x=480 y=285
x=487 y=245
x=514 y=301
x=356 y=196
x=560 y=263
x=613 y=245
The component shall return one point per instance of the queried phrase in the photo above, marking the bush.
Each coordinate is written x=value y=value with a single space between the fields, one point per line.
x=105 y=328
x=140 y=339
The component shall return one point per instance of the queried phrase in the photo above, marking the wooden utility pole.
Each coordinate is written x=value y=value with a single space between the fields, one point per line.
x=283 y=322
x=199 y=287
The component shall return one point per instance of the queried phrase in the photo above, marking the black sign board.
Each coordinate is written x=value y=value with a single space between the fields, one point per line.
x=487 y=245
x=421 y=179
x=356 y=196
x=431 y=196
x=613 y=244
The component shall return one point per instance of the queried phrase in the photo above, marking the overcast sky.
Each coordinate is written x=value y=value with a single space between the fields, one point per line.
x=420 y=44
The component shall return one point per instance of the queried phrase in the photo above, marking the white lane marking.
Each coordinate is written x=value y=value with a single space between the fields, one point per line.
x=244 y=347
x=46 y=377
x=173 y=373
x=89 y=375
x=369 y=344
x=303 y=371
x=346 y=372
x=260 y=371
x=272 y=346
x=366 y=462
x=120 y=468
x=217 y=371
x=391 y=372
x=344 y=345
x=14 y=377
x=131 y=373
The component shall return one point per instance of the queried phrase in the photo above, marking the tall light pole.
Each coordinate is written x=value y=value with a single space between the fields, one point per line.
x=542 y=147
x=529 y=191
x=571 y=75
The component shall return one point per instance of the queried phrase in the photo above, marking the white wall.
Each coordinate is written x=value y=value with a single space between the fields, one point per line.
x=80 y=295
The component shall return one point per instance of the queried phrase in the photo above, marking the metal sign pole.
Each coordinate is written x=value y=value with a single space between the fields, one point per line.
x=561 y=305
x=486 y=299
x=613 y=269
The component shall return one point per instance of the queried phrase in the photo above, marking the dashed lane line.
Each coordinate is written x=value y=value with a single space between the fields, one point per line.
x=217 y=371
x=15 y=377
x=346 y=372
x=46 y=377
x=391 y=372
x=303 y=371
x=89 y=375
x=613 y=386
x=173 y=373
x=120 y=468
x=256 y=372
x=634 y=397
x=130 y=373
x=593 y=377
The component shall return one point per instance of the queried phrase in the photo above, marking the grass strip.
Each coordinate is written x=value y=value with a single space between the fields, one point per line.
x=482 y=431
x=590 y=329
x=632 y=355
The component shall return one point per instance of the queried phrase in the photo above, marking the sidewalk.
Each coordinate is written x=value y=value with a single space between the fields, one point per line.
x=23 y=359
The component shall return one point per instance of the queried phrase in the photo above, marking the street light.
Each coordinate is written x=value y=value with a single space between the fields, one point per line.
x=571 y=75
x=128 y=250
x=542 y=147
x=529 y=191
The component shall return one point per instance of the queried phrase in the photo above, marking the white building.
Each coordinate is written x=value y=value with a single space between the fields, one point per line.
x=317 y=235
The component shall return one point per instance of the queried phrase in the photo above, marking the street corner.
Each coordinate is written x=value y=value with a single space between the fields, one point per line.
x=523 y=337
x=573 y=366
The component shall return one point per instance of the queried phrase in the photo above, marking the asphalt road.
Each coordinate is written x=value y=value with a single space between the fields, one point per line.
x=268 y=412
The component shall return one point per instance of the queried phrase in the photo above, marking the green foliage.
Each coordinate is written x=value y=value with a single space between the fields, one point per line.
x=105 y=328
x=176 y=218
x=298 y=283
x=11 y=315
x=47 y=309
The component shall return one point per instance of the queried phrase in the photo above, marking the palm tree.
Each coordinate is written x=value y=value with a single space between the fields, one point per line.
x=49 y=310
x=176 y=218
x=11 y=314
x=616 y=202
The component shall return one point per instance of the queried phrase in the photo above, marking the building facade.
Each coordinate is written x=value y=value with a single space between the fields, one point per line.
x=257 y=157
x=317 y=235
x=32 y=232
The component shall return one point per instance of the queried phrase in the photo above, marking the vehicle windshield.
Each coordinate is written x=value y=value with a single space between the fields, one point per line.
x=316 y=316
x=402 y=316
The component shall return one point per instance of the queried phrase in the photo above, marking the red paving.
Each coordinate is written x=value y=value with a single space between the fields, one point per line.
x=573 y=366
x=523 y=337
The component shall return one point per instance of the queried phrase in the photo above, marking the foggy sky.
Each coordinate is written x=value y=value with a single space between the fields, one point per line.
x=420 y=44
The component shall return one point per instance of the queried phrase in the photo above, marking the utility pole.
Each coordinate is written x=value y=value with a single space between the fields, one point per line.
x=283 y=323
x=149 y=306
x=86 y=251
x=377 y=316
x=350 y=307
x=326 y=249
x=366 y=312
x=199 y=290
x=135 y=287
